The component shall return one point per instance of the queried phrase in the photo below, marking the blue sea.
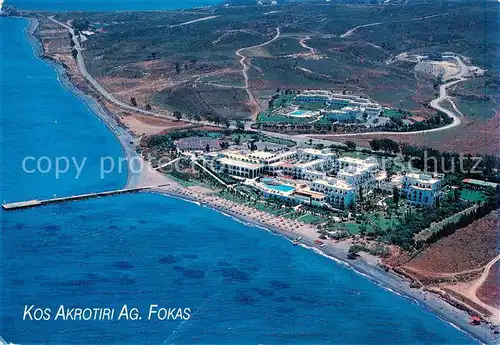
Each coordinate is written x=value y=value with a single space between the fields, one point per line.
x=108 y=5
x=242 y=284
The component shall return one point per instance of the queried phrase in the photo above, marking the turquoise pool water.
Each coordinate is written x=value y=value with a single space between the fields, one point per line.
x=268 y=182
x=300 y=113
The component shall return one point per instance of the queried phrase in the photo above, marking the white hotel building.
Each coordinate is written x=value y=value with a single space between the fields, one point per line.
x=306 y=165
x=420 y=189
x=339 y=193
x=350 y=106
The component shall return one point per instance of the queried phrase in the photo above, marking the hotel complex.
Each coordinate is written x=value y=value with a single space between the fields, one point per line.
x=340 y=106
x=319 y=177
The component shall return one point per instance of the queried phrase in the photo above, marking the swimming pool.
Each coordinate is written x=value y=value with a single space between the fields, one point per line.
x=302 y=113
x=273 y=184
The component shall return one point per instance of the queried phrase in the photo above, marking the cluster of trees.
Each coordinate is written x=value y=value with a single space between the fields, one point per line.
x=417 y=220
x=482 y=210
x=432 y=160
x=351 y=145
x=216 y=118
x=384 y=144
x=438 y=120
x=167 y=140
x=81 y=24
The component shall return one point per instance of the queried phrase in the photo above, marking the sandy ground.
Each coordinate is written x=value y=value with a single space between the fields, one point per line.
x=469 y=291
x=143 y=125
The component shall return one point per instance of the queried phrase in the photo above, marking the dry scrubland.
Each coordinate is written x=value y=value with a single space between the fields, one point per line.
x=193 y=68
x=468 y=248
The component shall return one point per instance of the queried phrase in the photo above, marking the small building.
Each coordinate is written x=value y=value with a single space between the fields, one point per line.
x=339 y=193
x=198 y=144
x=239 y=168
x=346 y=114
x=420 y=189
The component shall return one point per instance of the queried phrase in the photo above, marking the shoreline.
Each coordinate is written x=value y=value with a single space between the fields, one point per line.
x=368 y=268
x=122 y=135
x=364 y=266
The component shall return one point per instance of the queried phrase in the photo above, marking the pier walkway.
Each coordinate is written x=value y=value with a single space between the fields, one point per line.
x=35 y=203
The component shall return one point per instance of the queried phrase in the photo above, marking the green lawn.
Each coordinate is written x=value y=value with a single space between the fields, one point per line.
x=383 y=222
x=291 y=215
x=271 y=209
x=270 y=117
x=313 y=106
x=353 y=228
x=472 y=195
x=311 y=219
x=392 y=113
x=244 y=136
x=279 y=141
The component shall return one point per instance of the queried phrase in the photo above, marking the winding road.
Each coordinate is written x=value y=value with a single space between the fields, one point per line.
x=435 y=104
x=484 y=276
x=246 y=67
x=351 y=31
x=98 y=87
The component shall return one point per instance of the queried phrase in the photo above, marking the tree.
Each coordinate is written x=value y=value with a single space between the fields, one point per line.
x=133 y=101
x=240 y=125
x=178 y=115
x=456 y=194
x=351 y=145
x=395 y=195
x=375 y=144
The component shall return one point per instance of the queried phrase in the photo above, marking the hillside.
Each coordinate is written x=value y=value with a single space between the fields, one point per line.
x=187 y=61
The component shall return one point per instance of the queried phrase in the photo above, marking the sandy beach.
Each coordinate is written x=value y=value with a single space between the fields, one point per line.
x=366 y=265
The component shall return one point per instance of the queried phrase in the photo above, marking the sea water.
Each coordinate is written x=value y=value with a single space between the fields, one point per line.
x=108 y=5
x=242 y=284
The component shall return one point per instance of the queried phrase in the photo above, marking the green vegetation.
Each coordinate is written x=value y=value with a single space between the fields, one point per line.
x=271 y=117
x=393 y=113
x=472 y=195
x=311 y=219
